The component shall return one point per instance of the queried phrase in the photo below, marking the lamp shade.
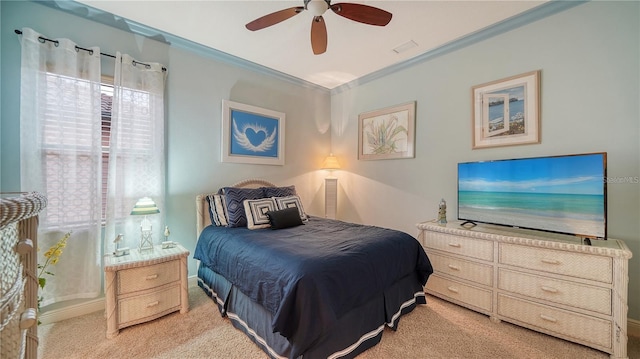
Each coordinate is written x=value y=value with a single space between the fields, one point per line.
x=144 y=206
x=331 y=163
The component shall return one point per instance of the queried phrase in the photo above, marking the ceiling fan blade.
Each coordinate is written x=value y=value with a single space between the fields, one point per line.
x=362 y=13
x=273 y=18
x=318 y=35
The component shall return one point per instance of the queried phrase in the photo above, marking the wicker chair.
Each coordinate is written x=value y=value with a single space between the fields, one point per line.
x=18 y=278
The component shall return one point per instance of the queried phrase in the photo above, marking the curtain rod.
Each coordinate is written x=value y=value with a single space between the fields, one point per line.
x=43 y=39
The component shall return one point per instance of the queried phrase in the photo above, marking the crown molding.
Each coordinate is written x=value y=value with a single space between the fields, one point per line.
x=105 y=18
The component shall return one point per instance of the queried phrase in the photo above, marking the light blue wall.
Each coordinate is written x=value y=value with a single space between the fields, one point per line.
x=589 y=58
x=196 y=86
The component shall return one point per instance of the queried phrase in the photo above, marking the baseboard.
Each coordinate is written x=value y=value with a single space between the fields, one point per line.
x=87 y=307
x=633 y=328
x=72 y=311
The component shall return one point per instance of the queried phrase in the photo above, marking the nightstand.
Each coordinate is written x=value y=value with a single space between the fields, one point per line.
x=143 y=286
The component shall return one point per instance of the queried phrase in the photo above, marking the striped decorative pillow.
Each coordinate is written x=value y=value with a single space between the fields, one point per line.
x=217 y=209
x=256 y=212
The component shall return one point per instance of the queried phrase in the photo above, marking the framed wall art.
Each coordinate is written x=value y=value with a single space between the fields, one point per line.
x=387 y=133
x=252 y=134
x=507 y=112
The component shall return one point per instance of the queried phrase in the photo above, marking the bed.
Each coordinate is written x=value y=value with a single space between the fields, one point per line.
x=319 y=288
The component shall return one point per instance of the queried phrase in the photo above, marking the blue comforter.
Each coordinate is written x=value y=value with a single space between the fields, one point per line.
x=310 y=275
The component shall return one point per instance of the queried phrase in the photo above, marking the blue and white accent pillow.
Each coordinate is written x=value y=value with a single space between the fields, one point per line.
x=279 y=191
x=256 y=212
x=217 y=210
x=291 y=201
x=235 y=197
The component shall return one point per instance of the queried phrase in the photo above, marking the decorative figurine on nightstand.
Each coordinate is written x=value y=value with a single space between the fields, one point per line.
x=120 y=251
x=167 y=243
x=442 y=212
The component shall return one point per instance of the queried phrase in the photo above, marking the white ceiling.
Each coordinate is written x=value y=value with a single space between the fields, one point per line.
x=354 y=49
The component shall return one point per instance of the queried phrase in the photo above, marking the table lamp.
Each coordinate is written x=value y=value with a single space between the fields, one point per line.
x=144 y=207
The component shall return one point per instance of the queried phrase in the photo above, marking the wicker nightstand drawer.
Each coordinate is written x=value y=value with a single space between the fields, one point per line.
x=580 y=328
x=470 y=247
x=137 y=309
x=135 y=279
x=596 y=299
x=460 y=268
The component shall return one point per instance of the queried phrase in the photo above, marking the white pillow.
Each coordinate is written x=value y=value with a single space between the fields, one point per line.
x=256 y=212
x=291 y=201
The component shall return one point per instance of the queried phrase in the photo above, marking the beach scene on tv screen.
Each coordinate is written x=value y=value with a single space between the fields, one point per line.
x=560 y=194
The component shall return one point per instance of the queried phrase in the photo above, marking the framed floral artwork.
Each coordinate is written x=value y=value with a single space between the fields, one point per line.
x=388 y=133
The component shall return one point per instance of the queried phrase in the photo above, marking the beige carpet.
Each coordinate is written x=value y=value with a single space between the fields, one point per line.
x=436 y=330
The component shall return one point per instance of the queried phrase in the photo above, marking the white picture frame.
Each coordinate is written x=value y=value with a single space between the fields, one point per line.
x=252 y=135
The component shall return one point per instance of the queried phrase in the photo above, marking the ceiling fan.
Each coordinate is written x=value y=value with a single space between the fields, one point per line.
x=357 y=12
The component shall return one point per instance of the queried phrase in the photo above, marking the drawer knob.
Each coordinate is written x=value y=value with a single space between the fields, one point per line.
x=550 y=261
x=548 y=318
x=151 y=277
x=153 y=304
x=453 y=289
x=549 y=289
x=453 y=267
x=455 y=245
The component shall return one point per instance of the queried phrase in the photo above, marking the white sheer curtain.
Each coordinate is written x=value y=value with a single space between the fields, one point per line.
x=60 y=133
x=136 y=156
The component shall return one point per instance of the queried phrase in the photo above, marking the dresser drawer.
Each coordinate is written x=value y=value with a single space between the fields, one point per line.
x=141 y=307
x=470 y=295
x=579 y=265
x=575 y=326
x=572 y=294
x=460 y=268
x=141 y=278
x=470 y=247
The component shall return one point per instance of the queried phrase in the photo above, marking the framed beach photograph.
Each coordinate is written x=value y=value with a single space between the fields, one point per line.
x=252 y=134
x=387 y=133
x=507 y=112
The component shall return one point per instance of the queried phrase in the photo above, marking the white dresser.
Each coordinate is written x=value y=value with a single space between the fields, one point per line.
x=551 y=283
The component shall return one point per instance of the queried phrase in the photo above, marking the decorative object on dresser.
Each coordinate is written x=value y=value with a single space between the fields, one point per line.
x=251 y=134
x=387 y=133
x=145 y=285
x=507 y=111
x=145 y=206
x=548 y=282
x=18 y=278
x=442 y=212
x=330 y=186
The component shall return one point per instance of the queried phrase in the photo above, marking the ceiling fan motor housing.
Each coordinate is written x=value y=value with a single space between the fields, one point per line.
x=317 y=7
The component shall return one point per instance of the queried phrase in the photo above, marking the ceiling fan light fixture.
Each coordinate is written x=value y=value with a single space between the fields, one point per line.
x=317 y=7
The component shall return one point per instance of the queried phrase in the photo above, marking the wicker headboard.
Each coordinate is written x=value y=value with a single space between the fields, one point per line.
x=202 y=206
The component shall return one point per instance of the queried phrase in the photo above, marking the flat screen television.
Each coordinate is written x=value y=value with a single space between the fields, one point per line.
x=562 y=194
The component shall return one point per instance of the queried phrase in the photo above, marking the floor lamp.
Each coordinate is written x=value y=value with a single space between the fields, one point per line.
x=330 y=187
